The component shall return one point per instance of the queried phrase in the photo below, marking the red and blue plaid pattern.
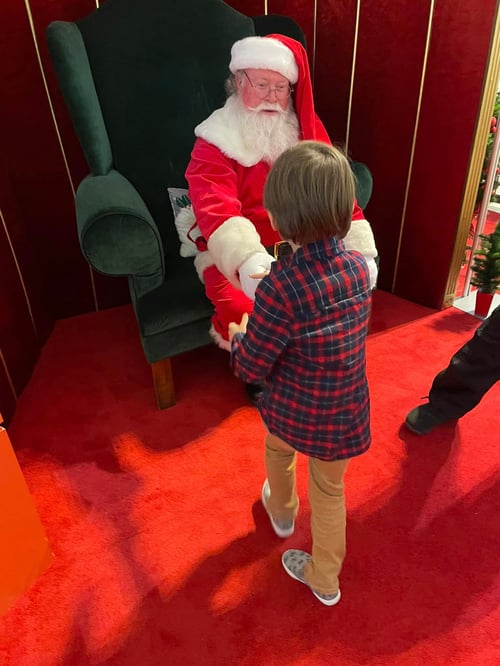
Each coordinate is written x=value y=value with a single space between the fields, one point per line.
x=305 y=342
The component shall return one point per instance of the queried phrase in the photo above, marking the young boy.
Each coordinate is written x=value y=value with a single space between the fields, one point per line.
x=305 y=343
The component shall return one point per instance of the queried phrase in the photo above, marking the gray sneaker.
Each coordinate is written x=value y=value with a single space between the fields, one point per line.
x=294 y=562
x=283 y=528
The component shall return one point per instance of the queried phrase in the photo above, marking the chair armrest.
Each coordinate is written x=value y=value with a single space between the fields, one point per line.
x=117 y=234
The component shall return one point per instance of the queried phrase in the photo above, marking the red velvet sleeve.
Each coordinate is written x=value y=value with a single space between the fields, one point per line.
x=212 y=181
x=357 y=213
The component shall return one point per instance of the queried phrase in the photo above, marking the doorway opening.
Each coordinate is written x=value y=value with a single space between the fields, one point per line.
x=480 y=211
x=486 y=213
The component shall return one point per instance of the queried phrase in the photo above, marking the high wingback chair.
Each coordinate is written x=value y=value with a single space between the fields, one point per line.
x=137 y=77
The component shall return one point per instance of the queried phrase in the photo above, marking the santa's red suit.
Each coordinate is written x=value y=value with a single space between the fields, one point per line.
x=226 y=181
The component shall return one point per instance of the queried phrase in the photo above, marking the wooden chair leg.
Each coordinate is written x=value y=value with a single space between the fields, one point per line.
x=163 y=380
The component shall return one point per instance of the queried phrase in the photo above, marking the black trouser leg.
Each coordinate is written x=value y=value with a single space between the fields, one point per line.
x=471 y=373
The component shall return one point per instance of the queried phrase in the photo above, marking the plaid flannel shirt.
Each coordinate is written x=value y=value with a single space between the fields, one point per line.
x=305 y=342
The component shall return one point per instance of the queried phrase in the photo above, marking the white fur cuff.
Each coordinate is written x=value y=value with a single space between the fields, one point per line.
x=230 y=244
x=202 y=261
x=360 y=237
x=219 y=340
x=372 y=267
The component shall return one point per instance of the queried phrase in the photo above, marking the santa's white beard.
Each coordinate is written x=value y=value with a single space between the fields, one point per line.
x=268 y=133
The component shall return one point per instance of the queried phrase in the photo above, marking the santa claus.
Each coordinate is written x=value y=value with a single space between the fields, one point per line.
x=269 y=109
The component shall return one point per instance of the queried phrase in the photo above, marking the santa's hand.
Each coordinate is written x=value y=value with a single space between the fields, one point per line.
x=252 y=270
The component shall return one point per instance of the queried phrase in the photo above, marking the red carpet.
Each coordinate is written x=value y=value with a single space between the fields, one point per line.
x=165 y=556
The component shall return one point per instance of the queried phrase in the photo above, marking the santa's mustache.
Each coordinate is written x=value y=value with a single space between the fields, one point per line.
x=268 y=106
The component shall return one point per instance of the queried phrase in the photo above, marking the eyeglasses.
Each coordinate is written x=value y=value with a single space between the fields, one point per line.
x=262 y=90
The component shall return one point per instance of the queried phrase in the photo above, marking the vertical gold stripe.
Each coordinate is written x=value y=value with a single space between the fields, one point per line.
x=94 y=293
x=414 y=140
x=9 y=378
x=54 y=120
x=353 y=71
x=476 y=160
x=315 y=23
x=265 y=7
x=97 y=4
x=25 y=291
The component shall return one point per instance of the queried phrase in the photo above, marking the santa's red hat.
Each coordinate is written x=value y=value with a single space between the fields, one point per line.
x=264 y=53
x=288 y=57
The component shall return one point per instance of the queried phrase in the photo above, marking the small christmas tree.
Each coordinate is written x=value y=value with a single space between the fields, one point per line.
x=485 y=269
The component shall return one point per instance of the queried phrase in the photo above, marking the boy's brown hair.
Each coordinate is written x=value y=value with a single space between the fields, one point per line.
x=310 y=193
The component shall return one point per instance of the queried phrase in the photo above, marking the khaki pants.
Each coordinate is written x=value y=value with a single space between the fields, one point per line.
x=328 y=514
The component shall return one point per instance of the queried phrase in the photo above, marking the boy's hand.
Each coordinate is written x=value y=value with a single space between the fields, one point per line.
x=259 y=276
x=238 y=328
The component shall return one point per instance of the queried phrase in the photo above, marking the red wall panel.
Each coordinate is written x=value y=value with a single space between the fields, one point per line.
x=389 y=61
x=335 y=35
x=302 y=12
x=17 y=247
x=7 y=396
x=19 y=339
x=109 y=290
x=36 y=161
x=38 y=174
x=24 y=320
x=457 y=60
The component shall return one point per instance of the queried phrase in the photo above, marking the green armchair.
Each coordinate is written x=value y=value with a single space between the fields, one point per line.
x=137 y=77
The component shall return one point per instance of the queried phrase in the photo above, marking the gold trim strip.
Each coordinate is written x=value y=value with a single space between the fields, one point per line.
x=315 y=24
x=353 y=72
x=478 y=151
x=94 y=292
x=265 y=7
x=56 y=127
x=9 y=378
x=414 y=141
x=23 y=285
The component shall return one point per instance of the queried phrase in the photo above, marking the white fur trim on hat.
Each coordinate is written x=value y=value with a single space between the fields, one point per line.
x=264 y=53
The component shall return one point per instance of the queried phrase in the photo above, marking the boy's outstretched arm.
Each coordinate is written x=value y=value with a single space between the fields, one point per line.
x=257 y=342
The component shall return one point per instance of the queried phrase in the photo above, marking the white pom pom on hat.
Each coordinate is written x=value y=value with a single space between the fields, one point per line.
x=264 y=53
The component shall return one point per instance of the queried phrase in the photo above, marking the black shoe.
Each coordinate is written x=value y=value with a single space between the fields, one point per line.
x=422 y=420
x=254 y=392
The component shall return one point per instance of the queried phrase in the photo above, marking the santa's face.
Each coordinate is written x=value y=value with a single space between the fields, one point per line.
x=263 y=89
